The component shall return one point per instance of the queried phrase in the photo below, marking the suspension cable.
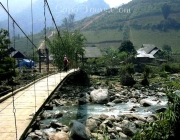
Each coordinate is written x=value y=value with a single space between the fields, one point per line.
x=54 y=21
x=17 y=24
x=14 y=108
x=46 y=50
x=8 y=21
x=33 y=57
x=59 y=35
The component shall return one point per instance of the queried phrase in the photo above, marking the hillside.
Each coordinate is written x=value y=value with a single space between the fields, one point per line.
x=141 y=21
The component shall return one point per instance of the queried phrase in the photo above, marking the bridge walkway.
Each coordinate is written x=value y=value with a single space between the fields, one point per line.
x=16 y=112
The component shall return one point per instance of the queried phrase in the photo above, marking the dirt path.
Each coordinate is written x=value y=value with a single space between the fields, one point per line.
x=90 y=22
x=41 y=46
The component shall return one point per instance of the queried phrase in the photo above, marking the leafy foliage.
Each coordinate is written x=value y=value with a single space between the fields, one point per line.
x=128 y=47
x=165 y=10
x=6 y=63
x=171 y=68
x=68 y=22
x=167 y=48
x=70 y=44
x=167 y=126
x=126 y=75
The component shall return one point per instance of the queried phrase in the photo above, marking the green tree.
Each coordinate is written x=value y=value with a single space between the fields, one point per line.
x=126 y=75
x=70 y=44
x=6 y=63
x=147 y=71
x=68 y=22
x=166 y=48
x=128 y=47
x=165 y=8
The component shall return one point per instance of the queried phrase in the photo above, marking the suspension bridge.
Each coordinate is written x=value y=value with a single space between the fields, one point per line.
x=18 y=108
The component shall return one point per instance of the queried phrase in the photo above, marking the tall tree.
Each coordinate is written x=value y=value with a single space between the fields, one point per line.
x=128 y=47
x=6 y=63
x=165 y=8
x=166 y=48
x=68 y=22
x=70 y=44
x=71 y=21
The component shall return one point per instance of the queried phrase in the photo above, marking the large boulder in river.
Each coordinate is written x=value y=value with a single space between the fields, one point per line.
x=78 y=131
x=147 y=102
x=84 y=98
x=92 y=124
x=128 y=128
x=99 y=96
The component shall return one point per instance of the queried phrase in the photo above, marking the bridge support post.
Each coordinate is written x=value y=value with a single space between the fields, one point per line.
x=47 y=59
x=39 y=60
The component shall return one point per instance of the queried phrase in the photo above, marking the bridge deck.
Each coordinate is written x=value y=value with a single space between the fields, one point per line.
x=26 y=103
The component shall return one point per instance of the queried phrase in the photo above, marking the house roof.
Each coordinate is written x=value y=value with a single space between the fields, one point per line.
x=154 y=51
x=16 y=54
x=148 y=48
x=144 y=55
x=11 y=49
x=92 y=52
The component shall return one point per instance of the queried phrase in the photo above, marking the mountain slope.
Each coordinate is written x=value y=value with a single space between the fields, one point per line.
x=141 y=21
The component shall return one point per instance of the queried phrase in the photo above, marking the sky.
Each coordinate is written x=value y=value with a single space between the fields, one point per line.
x=25 y=3
x=16 y=7
x=112 y=3
x=115 y=3
x=15 y=4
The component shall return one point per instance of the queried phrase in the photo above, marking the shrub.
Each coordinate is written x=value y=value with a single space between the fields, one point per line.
x=137 y=86
x=112 y=71
x=128 y=69
x=167 y=126
x=172 y=68
x=126 y=75
x=163 y=74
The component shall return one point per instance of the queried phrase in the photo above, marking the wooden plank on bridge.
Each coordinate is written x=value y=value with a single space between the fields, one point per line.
x=26 y=103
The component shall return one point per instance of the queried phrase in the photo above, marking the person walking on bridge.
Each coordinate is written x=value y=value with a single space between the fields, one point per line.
x=65 y=63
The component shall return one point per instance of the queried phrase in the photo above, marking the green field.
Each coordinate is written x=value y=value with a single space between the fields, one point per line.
x=138 y=37
x=105 y=38
x=103 y=35
x=158 y=38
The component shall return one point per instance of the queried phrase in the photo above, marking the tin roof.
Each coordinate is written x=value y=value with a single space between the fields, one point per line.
x=92 y=52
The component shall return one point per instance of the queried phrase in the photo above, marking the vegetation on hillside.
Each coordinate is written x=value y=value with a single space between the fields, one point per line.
x=141 y=21
x=135 y=10
x=160 y=18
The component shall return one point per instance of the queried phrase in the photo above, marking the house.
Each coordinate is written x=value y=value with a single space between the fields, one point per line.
x=92 y=52
x=18 y=56
x=147 y=53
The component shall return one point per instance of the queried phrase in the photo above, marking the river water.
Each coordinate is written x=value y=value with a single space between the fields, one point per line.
x=82 y=112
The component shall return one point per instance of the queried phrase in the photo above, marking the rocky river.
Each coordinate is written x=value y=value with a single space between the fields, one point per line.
x=99 y=112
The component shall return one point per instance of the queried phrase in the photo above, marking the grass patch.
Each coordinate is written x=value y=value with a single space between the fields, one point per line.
x=103 y=35
x=158 y=38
